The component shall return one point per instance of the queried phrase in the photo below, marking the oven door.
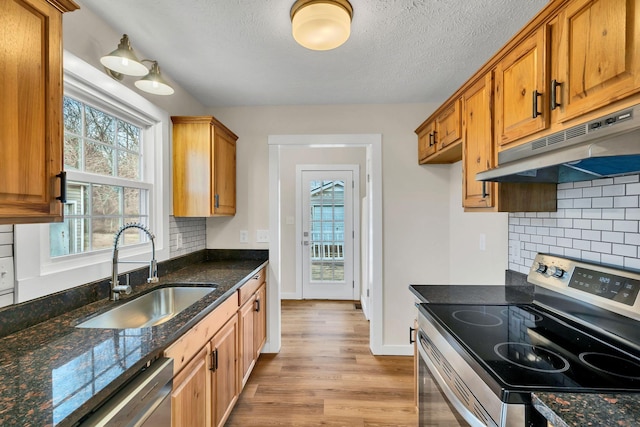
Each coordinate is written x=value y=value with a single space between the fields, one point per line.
x=438 y=403
x=433 y=407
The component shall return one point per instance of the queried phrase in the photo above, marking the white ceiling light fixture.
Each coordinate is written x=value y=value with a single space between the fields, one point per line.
x=123 y=61
x=321 y=24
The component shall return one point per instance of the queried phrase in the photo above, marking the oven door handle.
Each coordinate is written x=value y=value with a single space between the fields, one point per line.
x=444 y=386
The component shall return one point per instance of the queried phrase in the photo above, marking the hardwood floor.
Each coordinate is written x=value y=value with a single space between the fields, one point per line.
x=325 y=375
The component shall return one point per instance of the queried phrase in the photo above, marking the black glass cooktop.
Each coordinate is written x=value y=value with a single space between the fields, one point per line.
x=525 y=348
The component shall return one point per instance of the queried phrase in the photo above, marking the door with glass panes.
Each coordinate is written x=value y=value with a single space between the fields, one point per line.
x=327 y=232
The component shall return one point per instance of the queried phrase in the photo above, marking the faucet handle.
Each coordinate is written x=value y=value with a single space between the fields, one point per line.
x=152 y=280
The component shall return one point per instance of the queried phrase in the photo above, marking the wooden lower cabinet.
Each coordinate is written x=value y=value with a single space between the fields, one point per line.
x=213 y=360
x=191 y=393
x=253 y=330
x=225 y=383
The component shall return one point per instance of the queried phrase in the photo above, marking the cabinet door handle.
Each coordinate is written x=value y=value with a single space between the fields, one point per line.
x=536 y=95
x=484 y=190
x=554 y=95
x=214 y=361
x=435 y=141
x=430 y=139
x=63 y=187
x=217 y=201
x=257 y=305
x=411 y=331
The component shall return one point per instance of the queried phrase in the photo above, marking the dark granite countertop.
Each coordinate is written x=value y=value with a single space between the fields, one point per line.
x=587 y=409
x=53 y=374
x=473 y=294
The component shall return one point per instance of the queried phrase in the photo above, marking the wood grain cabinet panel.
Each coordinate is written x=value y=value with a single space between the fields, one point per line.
x=449 y=125
x=204 y=167
x=599 y=54
x=426 y=142
x=191 y=393
x=31 y=110
x=226 y=381
x=477 y=151
x=521 y=107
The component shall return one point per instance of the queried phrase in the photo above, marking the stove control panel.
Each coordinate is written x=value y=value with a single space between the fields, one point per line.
x=608 y=287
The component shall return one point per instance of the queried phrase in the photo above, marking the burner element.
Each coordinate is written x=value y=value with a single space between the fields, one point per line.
x=531 y=357
x=477 y=318
x=613 y=365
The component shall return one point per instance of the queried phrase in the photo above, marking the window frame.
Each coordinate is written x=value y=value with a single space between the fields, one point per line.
x=37 y=274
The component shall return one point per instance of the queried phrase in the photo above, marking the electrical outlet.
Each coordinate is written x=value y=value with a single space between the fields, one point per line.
x=483 y=242
x=244 y=236
x=262 y=236
x=179 y=241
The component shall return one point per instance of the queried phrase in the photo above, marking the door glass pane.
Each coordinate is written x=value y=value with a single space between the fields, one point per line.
x=327 y=231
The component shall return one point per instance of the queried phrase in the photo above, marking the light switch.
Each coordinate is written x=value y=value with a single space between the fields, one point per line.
x=244 y=236
x=262 y=236
x=483 y=242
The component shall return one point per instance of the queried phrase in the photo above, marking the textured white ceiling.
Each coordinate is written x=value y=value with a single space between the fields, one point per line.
x=241 y=52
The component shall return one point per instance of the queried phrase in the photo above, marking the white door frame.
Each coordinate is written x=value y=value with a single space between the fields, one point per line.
x=373 y=145
x=355 y=221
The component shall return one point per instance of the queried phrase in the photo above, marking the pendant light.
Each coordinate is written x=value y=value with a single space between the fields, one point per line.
x=154 y=83
x=123 y=61
x=321 y=24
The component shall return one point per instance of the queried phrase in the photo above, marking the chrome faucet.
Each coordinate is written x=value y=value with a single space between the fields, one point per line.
x=116 y=287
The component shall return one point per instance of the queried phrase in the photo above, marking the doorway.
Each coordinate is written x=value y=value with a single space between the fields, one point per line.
x=327 y=211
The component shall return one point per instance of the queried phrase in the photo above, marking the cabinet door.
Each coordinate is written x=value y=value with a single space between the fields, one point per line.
x=192 y=152
x=521 y=109
x=190 y=401
x=599 y=58
x=30 y=111
x=260 y=320
x=247 y=333
x=477 y=153
x=226 y=382
x=426 y=142
x=224 y=161
x=449 y=125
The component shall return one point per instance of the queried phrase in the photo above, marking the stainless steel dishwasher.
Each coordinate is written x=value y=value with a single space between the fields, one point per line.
x=145 y=401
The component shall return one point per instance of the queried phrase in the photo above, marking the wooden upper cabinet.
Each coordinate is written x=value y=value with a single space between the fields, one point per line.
x=449 y=125
x=521 y=107
x=440 y=136
x=477 y=151
x=599 y=54
x=426 y=143
x=204 y=167
x=31 y=110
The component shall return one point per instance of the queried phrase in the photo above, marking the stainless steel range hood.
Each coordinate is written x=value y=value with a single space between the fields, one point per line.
x=605 y=147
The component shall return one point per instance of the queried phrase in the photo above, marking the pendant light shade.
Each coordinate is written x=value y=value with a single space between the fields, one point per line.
x=154 y=83
x=123 y=60
x=321 y=24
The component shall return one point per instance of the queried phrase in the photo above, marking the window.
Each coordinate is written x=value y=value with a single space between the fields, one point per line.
x=103 y=157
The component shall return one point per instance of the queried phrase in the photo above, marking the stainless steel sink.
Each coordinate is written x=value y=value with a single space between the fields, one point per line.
x=151 y=309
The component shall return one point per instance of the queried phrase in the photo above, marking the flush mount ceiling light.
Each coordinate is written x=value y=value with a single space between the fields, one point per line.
x=321 y=24
x=123 y=61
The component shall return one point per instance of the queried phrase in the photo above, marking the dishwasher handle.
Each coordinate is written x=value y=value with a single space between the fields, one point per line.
x=138 y=400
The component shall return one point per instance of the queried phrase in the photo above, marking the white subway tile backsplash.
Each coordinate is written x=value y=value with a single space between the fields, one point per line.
x=596 y=221
x=625 y=202
x=625 y=250
x=591 y=235
x=612 y=236
x=602 y=224
x=626 y=226
x=614 y=190
x=633 y=189
x=602 y=202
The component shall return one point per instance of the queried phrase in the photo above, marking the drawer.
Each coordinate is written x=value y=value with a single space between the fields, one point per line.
x=188 y=345
x=250 y=288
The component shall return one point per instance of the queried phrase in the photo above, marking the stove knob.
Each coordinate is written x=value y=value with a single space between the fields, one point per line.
x=556 y=271
x=540 y=267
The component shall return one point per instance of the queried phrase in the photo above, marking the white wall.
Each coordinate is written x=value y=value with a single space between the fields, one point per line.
x=466 y=232
x=420 y=229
